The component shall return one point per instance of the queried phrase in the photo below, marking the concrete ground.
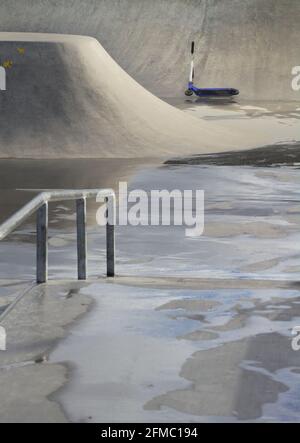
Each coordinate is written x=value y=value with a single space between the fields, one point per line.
x=67 y=95
x=160 y=354
x=250 y=45
x=206 y=322
x=192 y=329
x=152 y=350
x=32 y=328
x=67 y=98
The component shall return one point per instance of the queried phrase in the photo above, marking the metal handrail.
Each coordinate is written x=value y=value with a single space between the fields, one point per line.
x=39 y=204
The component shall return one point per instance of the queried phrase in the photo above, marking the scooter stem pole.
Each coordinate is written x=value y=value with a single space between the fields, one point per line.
x=191 y=79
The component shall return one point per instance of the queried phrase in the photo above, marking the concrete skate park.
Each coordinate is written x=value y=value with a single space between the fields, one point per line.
x=189 y=329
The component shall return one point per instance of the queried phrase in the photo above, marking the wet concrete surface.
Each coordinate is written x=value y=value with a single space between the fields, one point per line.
x=33 y=328
x=193 y=329
x=275 y=125
x=267 y=123
x=242 y=330
x=282 y=154
x=175 y=355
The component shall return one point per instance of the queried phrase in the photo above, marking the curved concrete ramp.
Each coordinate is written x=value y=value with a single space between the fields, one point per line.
x=66 y=97
x=251 y=44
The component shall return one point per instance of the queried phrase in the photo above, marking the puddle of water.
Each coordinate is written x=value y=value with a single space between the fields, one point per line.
x=129 y=359
x=132 y=357
x=264 y=123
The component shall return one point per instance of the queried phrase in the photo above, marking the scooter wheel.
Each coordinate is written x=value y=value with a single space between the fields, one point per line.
x=189 y=93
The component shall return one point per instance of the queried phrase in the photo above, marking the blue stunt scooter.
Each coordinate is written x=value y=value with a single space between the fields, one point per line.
x=206 y=92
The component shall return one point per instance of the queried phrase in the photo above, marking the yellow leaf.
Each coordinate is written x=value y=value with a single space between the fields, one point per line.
x=21 y=51
x=7 y=64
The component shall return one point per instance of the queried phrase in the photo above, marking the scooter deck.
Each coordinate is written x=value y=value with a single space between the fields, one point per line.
x=213 y=92
x=218 y=92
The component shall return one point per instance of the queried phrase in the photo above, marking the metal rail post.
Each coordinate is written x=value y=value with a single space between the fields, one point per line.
x=81 y=238
x=110 y=235
x=42 y=244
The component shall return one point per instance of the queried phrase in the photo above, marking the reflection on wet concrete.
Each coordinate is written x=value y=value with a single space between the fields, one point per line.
x=237 y=378
x=259 y=123
x=236 y=108
x=33 y=328
x=18 y=176
x=185 y=344
x=221 y=387
x=176 y=355
x=281 y=154
x=251 y=225
x=218 y=354
x=21 y=180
